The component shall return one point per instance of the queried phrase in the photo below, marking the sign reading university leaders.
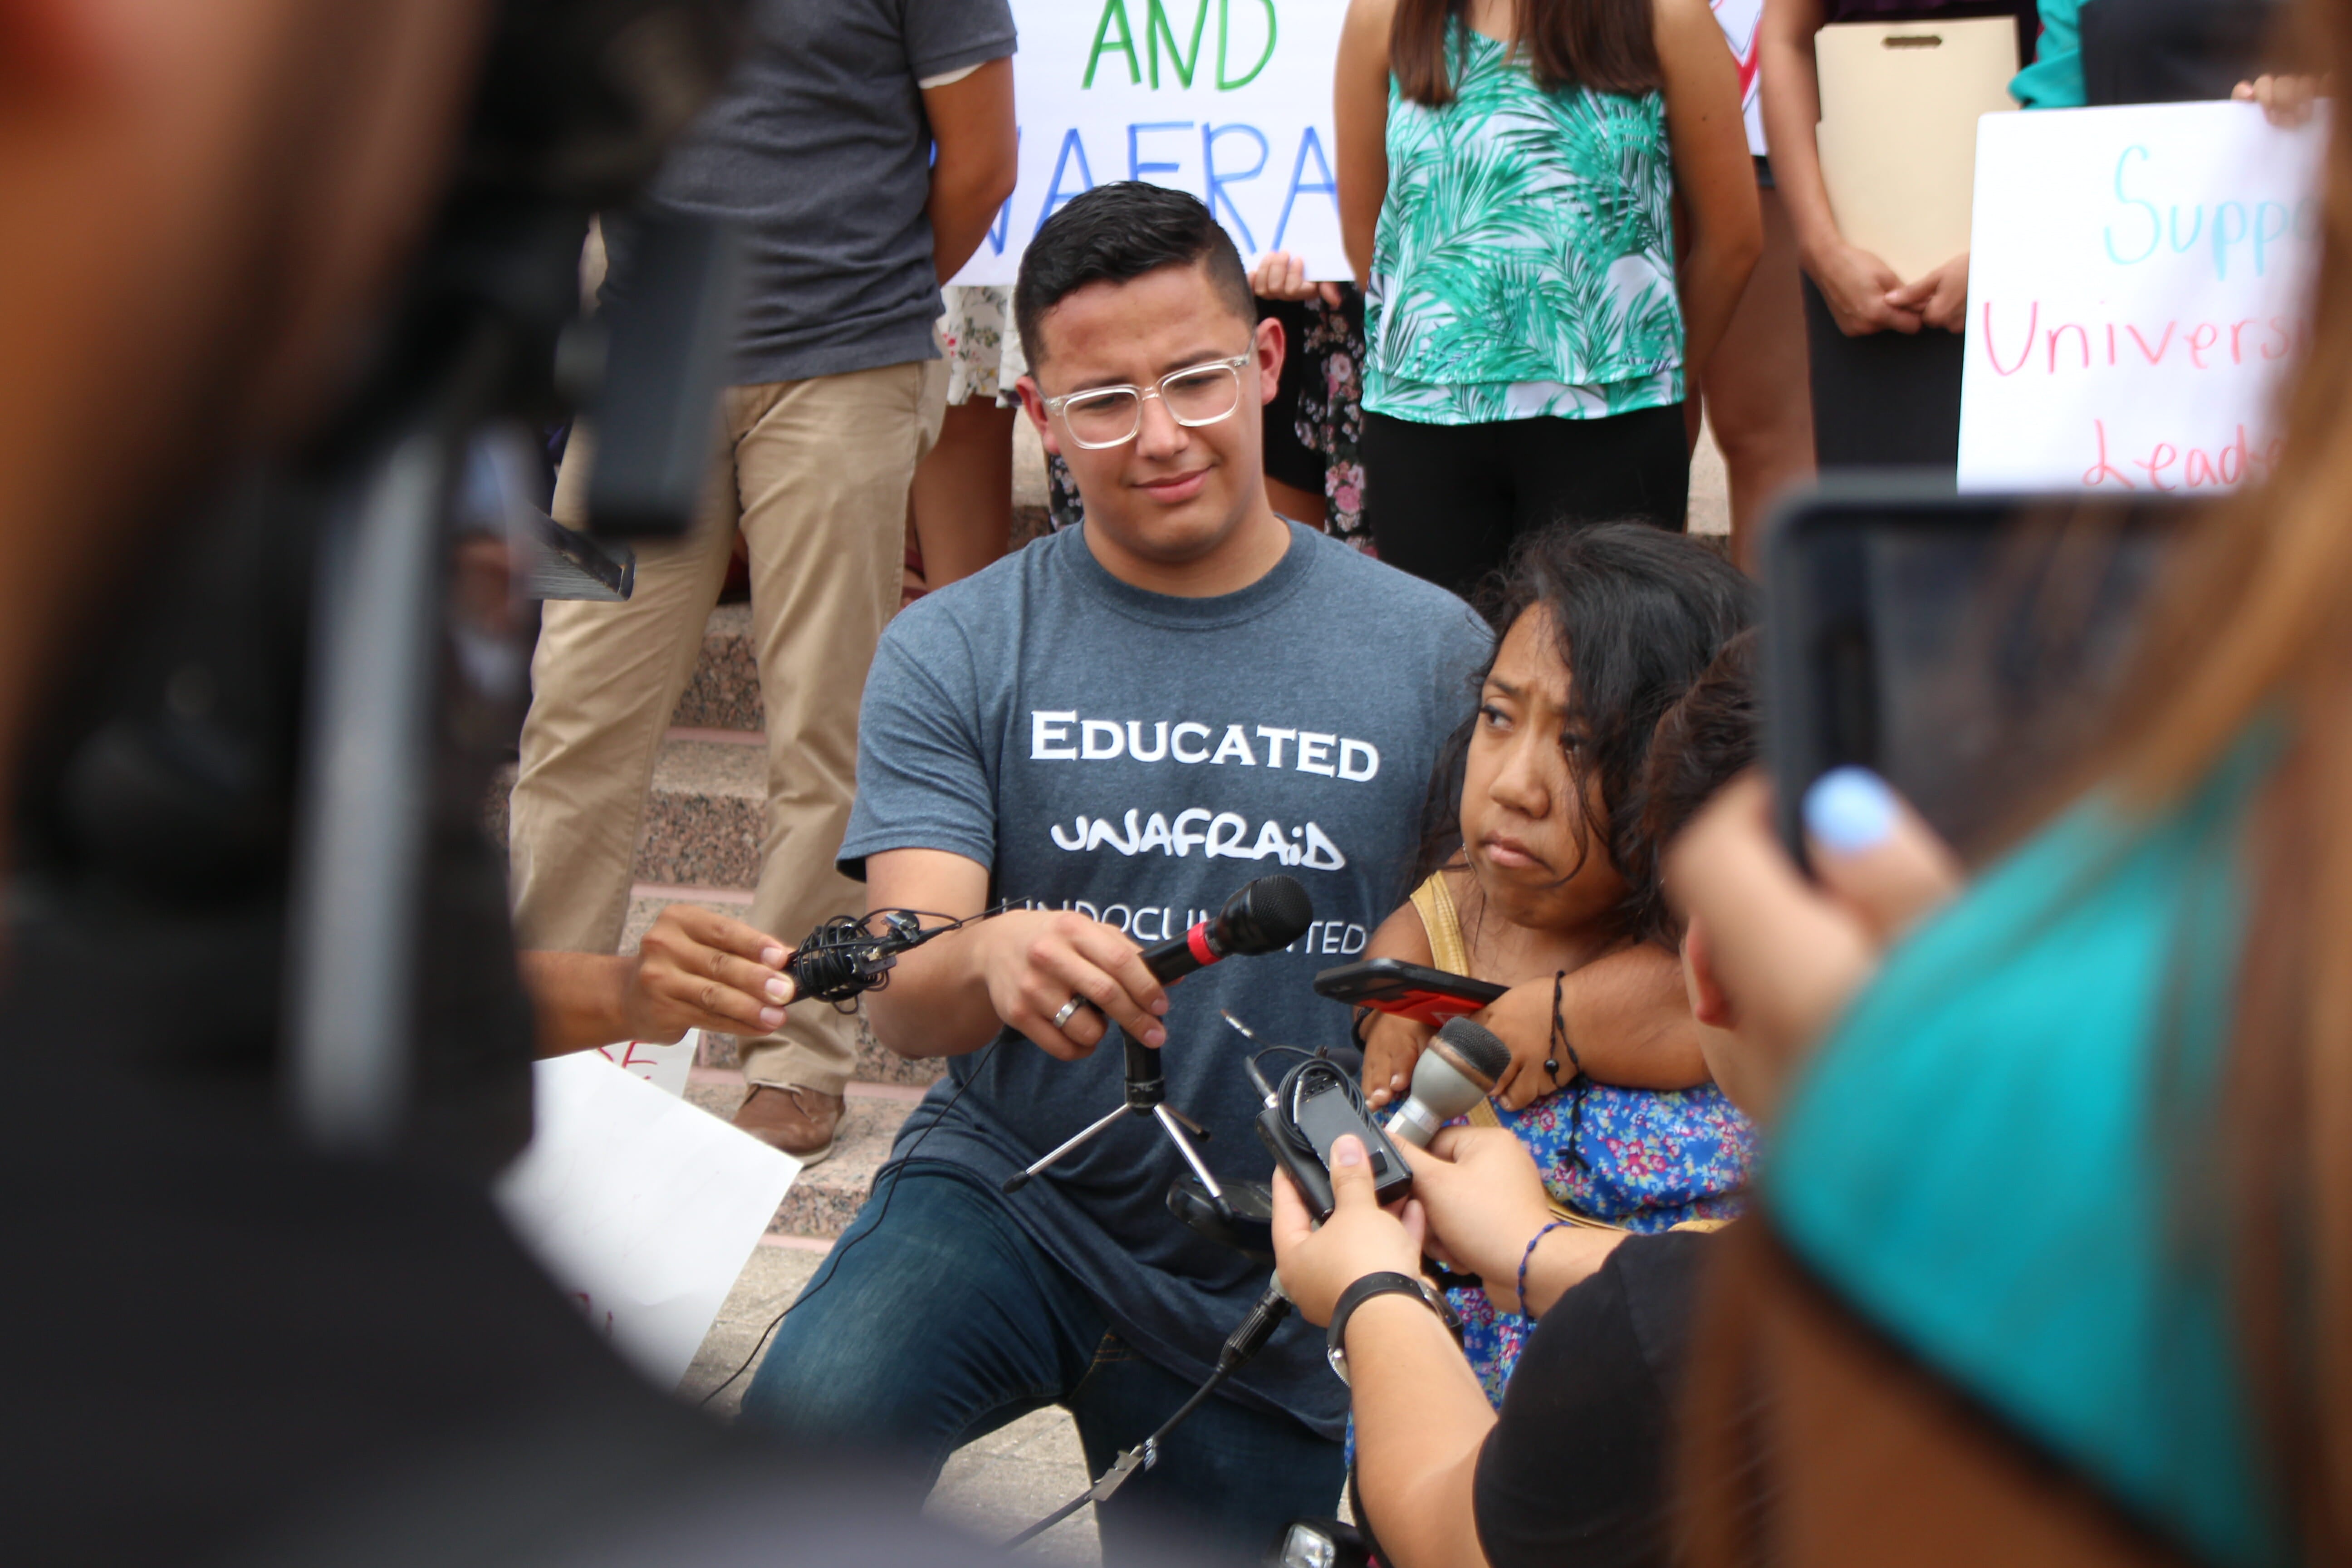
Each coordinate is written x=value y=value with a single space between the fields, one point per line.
x=2138 y=288
x=1230 y=100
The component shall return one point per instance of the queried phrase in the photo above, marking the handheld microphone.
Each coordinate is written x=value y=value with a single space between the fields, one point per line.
x=1264 y=916
x=1458 y=1069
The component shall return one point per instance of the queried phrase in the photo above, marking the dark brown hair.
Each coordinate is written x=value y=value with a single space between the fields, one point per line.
x=1705 y=741
x=1115 y=234
x=1607 y=46
x=1637 y=614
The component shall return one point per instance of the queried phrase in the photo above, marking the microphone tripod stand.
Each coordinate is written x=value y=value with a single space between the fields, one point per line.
x=1147 y=1096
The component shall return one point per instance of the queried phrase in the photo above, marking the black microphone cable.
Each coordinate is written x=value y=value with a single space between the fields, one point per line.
x=1243 y=1343
x=833 y=1257
x=845 y=956
x=835 y=962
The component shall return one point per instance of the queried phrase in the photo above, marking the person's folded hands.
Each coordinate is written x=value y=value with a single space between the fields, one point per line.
x=1317 y=1264
x=1940 y=297
x=1789 y=950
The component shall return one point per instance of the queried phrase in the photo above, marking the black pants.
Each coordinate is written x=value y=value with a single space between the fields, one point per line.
x=1886 y=400
x=1447 y=502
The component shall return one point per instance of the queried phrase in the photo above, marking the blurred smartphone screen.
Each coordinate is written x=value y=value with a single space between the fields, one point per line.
x=1969 y=648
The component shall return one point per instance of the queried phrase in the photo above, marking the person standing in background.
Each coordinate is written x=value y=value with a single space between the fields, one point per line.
x=1886 y=354
x=1507 y=176
x=1759 y=402
x=2148 y=51
x=1315 y=425
x=862 y=149
x=1756 y=386
x=960 y=513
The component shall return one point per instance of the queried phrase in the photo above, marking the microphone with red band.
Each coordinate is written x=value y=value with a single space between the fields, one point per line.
x=1264 y=916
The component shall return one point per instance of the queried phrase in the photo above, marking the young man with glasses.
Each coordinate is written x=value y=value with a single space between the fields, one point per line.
x=1112 y=731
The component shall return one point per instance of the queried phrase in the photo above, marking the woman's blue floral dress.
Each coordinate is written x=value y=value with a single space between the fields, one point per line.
x=1645 y=1159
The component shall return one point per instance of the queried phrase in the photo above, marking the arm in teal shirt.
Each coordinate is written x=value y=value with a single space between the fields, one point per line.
x=2054 y=79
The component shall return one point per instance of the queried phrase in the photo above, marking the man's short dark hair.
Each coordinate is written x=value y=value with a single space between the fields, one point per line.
x=1117 y=232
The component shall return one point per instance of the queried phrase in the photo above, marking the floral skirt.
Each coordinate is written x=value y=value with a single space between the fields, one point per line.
x=1644 y=1160
x=975 y=332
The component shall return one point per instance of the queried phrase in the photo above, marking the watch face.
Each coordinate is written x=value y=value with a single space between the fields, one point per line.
x=1338 y=1359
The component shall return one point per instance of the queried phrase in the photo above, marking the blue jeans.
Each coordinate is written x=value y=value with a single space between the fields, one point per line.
x=945 y=1321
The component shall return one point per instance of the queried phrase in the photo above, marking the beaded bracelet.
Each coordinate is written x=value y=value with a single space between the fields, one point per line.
x=1529 y=1256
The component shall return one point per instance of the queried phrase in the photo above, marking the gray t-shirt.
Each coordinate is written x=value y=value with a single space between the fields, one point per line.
x=1138 y=757
x=819 y=152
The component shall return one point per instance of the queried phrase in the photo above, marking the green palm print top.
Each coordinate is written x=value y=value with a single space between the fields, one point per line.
x=1524 y=264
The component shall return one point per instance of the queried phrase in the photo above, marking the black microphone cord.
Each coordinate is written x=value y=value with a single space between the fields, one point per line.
x=832 y=963
x=845 y=955
x=1243 y=1343
x=833 y=1257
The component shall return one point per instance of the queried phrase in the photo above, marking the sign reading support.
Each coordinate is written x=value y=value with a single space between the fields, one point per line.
x=1230 y=100
x=2139 y=289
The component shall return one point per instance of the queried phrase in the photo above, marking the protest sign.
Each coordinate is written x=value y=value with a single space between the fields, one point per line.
x=667 y=1067
x=642 y=1206
x=1740 y=21
x=1230 y=100
x=2139 y=286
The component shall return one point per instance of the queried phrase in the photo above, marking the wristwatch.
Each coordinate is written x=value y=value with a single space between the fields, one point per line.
x=1382 y=1284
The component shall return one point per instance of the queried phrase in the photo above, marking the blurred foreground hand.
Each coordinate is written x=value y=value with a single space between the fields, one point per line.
x=1792 y=951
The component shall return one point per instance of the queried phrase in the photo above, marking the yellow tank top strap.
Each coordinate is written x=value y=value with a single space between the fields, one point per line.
x=1433 y=903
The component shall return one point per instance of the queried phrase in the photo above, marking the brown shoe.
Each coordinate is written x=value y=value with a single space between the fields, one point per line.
x=800 y=1121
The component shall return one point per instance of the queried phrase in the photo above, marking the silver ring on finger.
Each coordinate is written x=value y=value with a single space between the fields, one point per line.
x=1069 y=1010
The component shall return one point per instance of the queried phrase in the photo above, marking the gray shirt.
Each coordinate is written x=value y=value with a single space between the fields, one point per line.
x=1137 y=757
x=819 y=152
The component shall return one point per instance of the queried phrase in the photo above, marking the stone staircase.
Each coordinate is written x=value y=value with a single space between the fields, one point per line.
x=701 y=846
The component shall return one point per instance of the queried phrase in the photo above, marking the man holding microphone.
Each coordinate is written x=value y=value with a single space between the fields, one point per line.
x=1112 y=731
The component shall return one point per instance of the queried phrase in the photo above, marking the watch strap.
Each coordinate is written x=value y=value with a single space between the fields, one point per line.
x=1387 y=1282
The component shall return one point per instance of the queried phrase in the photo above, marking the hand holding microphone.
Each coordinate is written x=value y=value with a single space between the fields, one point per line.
x=1061 y=979
x=1457 y=1068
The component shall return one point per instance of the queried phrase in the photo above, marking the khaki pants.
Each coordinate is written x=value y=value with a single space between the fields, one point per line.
x=814 y=473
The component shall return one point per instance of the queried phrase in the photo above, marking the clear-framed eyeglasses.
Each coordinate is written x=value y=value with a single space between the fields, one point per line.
x=1111 y=416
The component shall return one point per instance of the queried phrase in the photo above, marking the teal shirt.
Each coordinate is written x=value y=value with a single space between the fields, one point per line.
x=2054 y=79
x=2005 y=1157
x=1524 y=261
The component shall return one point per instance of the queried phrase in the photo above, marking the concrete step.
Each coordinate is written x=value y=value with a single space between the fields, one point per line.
x=826 y=1196
x=646 y=902
x=724 y=693
x=703 y=817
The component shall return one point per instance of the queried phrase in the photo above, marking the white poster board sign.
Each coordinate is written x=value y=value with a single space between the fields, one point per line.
x=667 y=1067
x=2138 y=285
x=1740 y=21
x=1230 y=100
x=642 y=1206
